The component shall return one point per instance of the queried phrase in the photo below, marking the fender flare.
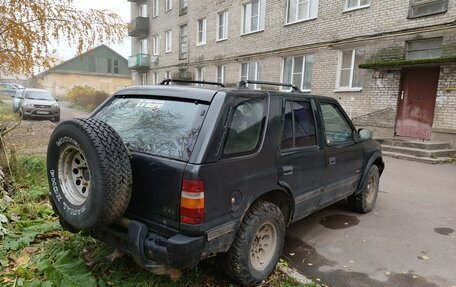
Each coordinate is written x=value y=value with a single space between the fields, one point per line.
x=370 y=162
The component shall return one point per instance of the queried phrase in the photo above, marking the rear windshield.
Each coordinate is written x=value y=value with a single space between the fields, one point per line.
x=166 y=128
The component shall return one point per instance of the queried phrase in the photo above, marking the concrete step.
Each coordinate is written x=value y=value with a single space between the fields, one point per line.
x=418 y=158
x=426 y=145
x=435 y=153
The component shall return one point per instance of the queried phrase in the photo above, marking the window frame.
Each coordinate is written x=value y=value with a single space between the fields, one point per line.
x=168 y=41
x=143 y=79
x=313 y=110
x=344 y=116
x=303 y=70
x=350 y=87
x=200 y=73
x=309 y=11
x=359 y=6
x=201 y=32
x=261 y=17
x=143 y=10
x=408 y=50
x=257 y=73
x=222 y=76
x=155 y=7
x=224 y=25
x=183 y=56
x=428 y=2
x=232 y=109
x=156 y=45
x=155 y=78
x=168 y=5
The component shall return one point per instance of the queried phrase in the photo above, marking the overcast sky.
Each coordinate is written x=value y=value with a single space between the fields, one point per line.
x=121 y=7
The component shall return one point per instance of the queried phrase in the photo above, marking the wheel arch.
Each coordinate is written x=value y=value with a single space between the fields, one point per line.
x=376 y=159
x=280 y=197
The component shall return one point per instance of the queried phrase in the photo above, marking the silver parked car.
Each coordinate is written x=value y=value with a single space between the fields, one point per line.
x=38 y=104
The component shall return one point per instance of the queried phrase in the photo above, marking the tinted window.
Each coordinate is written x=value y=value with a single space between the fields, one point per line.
x=336 y=127
x=299 y=125
x=165 y=128
x=245 y=127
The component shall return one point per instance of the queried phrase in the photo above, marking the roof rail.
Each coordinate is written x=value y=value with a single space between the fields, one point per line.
x=167 y=81
x=243 y=84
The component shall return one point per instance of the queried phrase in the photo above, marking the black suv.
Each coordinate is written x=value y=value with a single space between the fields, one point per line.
x=176 y=174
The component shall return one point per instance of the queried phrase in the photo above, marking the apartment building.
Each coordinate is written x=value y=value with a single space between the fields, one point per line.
x=390 y=63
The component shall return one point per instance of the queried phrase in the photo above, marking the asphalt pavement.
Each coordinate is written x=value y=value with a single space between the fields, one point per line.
x=409 y=239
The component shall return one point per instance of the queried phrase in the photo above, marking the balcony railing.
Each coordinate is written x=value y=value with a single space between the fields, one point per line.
x=139 y=62
x=139 y=27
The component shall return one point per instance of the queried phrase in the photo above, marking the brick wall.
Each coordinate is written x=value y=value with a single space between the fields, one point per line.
x=324 y=37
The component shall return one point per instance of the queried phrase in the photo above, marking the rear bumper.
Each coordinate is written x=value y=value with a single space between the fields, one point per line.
x=148 y=249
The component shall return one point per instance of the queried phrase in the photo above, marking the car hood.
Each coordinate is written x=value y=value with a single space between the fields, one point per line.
x=41 y=102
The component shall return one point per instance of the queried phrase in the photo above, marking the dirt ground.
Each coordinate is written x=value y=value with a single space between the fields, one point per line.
x=30 y=137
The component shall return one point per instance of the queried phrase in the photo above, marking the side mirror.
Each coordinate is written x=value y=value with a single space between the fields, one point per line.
x=365 y=134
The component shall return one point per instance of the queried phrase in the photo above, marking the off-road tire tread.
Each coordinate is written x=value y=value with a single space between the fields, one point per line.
x=115 y=171
x=237 y=266
x=357 y=202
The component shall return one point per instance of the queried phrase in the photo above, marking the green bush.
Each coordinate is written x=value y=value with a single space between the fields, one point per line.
x=86 y=97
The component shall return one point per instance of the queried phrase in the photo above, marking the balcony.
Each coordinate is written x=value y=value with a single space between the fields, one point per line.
x=139 y=27
x=139 y=62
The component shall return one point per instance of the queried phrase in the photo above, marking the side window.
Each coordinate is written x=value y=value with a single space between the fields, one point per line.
x=299 y=125
x=336 y=127
x=245 y=128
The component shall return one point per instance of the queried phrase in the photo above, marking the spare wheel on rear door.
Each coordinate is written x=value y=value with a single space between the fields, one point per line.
x=89 y=173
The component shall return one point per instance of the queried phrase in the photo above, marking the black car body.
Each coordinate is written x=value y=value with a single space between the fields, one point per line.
x=299 y=178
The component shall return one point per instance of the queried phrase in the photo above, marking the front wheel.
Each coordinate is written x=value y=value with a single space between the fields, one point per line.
x=258 y=244
x=364 y=201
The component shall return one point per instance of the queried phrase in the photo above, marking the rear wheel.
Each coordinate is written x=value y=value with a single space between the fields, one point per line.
x=258 y=244
x=364 y=201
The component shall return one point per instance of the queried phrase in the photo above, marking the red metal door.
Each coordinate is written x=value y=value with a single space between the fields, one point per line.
x=415 y=109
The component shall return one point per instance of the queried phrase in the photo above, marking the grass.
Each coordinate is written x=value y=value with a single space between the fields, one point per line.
x=37 y=252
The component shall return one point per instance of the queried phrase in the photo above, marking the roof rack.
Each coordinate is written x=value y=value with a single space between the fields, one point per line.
x=243 y=84
x=167 y=81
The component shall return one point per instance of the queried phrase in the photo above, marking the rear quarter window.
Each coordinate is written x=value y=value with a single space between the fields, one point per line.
x=166 y=128
x=245 y=128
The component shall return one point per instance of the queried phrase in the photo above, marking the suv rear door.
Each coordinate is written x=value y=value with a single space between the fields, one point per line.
x=302 y=160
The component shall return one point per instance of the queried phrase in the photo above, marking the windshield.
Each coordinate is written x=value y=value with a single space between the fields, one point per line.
x=39 y=95
x=166 y=128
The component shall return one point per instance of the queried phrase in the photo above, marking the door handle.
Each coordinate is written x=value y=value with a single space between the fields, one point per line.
x=287 y=170
x=332 y=160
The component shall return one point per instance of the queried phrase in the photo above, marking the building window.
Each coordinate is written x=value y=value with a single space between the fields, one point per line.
x=143 y=46
x=222 y=26
x=420 y=8
x=167 y=75
x=201 y=32
x=154 y=8
x=299 y=10
x=254 y=16
x=251 y=71
x=298 y=71
x=200 y=75
x=356 y=4
x=168 y=5
x=350 y=75
x=116 y=66
x=220 y=77
x=183 y=42
x=155 y=79
x=183 y=7
x=143 y=79
x=168 y=41
x=424 y=49
x=156 y=45
x=142 y=10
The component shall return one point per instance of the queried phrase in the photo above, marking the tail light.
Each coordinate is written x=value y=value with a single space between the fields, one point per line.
x=192 y=202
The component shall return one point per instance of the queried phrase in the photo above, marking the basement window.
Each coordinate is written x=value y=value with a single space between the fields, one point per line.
x=424 y=49
x=419 y=8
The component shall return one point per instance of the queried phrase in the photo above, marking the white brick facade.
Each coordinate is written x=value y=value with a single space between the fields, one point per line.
x=382 y=29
